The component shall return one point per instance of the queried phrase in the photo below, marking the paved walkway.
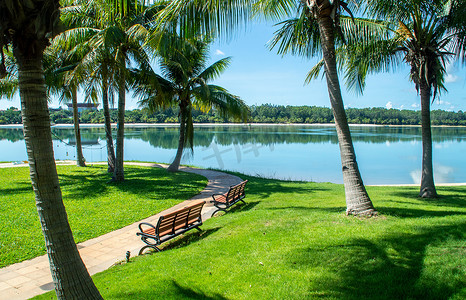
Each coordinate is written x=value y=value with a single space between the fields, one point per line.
x=31 y=278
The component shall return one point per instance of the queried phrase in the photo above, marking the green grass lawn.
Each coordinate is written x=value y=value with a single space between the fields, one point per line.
x=93 y=206
x=292 y=240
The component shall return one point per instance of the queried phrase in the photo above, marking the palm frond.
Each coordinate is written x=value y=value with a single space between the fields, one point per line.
x=213 y=71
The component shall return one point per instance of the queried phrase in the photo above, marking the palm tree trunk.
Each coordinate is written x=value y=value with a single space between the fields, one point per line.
x=357 y=199
x=119 y=175
x=70 y=276
x=108 y=126
x=175 y=165
x=427 y=177
x=77 y=133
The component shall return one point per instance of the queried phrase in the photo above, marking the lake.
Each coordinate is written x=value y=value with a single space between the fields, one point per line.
x=386 y=155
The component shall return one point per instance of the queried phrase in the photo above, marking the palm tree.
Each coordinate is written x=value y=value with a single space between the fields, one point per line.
x=8 y=75
x=220 y=17
x=184 y=82
x=425 y=34
x=60 y=81
x=114 y=35
x=317 y=29
x=27 y=27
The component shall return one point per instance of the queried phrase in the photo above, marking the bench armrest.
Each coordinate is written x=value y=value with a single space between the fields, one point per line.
x=213 y=196
x=146 y=224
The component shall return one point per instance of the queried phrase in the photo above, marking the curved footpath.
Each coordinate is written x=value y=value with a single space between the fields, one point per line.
x=32 y=277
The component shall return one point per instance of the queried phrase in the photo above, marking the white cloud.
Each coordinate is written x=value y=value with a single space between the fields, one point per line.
x=451 y=78
x=389 y=105
x=219 y=52
x=415 y=105
x=402 y=106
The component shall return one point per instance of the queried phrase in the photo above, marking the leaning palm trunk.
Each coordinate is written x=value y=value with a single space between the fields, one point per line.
x=357 y=199
x=175 y=165
x=108 y=126
x=77 y=132
x=427 y=178
x=70 y=276
x=119 y=169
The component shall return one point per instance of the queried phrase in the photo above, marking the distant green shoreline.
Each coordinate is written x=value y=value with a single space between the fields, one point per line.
x=101 y=125
x=259 y=114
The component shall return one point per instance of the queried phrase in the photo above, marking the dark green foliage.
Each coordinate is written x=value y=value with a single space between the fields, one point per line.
x=266 y=113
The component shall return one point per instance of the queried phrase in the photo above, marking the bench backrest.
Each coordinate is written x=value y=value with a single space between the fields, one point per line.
x=181 y=218
x=236 y=191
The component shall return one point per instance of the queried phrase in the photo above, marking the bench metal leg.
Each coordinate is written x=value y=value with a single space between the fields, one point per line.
x=216 y=211
x=148 y=246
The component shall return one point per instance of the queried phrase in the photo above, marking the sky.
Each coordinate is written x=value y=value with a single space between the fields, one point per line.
x=258 y=76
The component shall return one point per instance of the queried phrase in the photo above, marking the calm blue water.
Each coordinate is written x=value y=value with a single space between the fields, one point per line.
x=386 y=155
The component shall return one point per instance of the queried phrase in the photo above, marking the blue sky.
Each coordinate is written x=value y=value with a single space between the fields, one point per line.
x=260 y=76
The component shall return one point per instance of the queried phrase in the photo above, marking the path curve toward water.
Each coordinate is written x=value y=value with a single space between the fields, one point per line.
x=32 y=277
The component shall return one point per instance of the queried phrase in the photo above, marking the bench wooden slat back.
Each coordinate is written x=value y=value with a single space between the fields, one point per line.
x=171 y=222
x=236 y=192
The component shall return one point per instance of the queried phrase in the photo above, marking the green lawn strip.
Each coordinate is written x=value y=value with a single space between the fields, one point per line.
x=292 y=240
x=93 y=206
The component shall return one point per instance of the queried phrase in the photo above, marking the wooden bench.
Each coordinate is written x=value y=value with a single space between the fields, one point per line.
x=171 y=225
x=224 y=201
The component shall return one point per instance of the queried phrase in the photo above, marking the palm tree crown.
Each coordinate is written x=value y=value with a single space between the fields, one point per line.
x=184 y=81
x=425 y=35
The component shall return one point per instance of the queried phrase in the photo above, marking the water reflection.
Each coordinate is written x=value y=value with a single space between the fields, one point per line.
x=385 y=154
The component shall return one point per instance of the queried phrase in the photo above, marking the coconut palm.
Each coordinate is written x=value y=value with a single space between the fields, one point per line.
x=220 y=17
x=114 y=36
x=27 y=26
x=315 y=29
x=9 y=78
x=184 y=82
x=60 y=82
x=425 y=34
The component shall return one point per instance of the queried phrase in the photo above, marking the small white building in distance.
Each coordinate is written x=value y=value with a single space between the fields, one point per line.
x=84 y=106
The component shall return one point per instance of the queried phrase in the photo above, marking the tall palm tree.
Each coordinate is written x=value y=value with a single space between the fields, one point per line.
x=114 y=35
x=220 y=17
x=27 y=27
x=317 y=29
x=425 y=34
x=184 y=82
x=60 y=81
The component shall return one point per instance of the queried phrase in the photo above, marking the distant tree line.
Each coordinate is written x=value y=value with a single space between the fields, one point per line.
x=265 y=113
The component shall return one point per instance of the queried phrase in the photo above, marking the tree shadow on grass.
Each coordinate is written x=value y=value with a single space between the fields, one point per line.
x=189 y=238
x=390 y=268
x=416 y=213
x=147 y=182
x=456 y=197
x=174 y=291
x=336 y=209
x=20 y=188
x=241 y=207
x=265 y=188
x=190 y=293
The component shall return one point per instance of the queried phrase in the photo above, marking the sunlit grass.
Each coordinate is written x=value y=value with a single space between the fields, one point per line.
x=93 y=206
x=293 y=241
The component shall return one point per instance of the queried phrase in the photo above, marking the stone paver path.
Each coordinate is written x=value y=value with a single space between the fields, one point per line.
x=30 y=278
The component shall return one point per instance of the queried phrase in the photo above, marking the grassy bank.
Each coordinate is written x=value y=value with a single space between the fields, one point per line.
x=292 y=240
x=93 y=206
